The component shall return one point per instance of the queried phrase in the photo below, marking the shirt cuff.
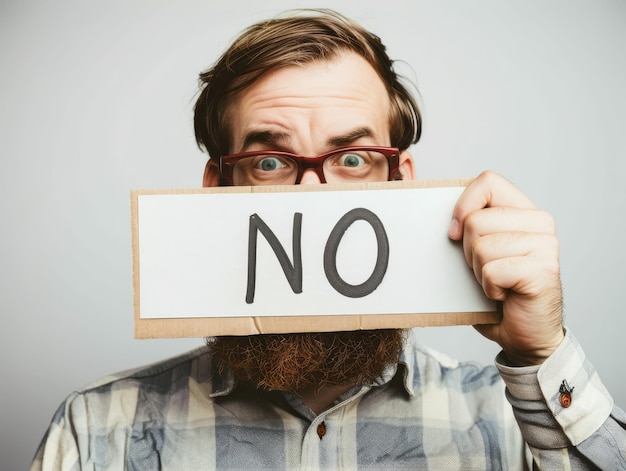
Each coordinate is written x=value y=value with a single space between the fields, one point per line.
x=535 y=392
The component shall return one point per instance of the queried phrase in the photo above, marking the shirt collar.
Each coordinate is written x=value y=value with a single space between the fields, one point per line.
x=407 y=363
x=223 y=381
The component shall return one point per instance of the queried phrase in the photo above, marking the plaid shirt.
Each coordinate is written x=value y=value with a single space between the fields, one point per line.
x=427 y=412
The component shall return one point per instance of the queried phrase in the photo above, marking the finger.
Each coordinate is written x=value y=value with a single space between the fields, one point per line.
x=508 y=245
x=530 y=276
x=487 y=190
x=502 y=220
x=490 y=331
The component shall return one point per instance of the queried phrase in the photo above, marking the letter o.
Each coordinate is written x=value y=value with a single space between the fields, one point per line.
x=332 y=244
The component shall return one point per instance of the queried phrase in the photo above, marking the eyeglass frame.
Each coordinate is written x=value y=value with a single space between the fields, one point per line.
x=227 y=162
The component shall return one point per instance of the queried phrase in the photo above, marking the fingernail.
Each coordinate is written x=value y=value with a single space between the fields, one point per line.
x=454 y=229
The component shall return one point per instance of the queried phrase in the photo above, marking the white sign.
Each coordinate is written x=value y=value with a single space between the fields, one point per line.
x=301 y=253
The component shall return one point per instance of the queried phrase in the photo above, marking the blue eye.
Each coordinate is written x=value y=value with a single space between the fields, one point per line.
x=268 y=164
x=351 y=160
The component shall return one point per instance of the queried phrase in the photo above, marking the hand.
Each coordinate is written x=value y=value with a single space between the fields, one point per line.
x=514 y=252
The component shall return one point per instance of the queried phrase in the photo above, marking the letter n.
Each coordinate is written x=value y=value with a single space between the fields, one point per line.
x=293 y=272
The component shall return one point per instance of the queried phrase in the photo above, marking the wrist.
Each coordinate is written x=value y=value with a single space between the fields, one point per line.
x=534 y=357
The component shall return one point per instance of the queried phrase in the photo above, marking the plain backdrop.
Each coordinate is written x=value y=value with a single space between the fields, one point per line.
x=96 y=99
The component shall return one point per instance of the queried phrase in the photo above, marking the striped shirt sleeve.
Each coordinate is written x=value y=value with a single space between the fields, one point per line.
x=581 y=431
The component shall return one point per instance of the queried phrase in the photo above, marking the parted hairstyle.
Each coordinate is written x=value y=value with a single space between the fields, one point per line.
x=297 y=38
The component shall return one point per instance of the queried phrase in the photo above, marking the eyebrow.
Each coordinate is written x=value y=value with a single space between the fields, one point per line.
x=349 y=137
x=271 y=138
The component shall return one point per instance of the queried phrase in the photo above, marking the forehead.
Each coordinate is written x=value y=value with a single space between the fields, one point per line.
x=323 y=95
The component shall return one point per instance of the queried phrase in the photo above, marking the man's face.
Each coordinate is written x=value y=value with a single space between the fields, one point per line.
x=312 y=109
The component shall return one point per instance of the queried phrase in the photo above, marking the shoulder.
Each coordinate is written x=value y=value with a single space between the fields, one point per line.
x=146 y=391
x=97 y=424
x=175 y=366
x=466 y=394
x=428 y=366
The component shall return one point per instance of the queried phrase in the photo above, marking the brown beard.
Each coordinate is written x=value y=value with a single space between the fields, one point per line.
x=293 y=362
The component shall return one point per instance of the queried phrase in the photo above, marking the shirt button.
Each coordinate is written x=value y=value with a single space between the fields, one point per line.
x=321 y=430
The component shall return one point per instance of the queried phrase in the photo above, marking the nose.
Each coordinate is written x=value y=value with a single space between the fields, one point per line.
x=309 y=177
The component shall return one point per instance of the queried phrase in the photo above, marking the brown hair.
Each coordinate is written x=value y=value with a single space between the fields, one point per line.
x=301 y=37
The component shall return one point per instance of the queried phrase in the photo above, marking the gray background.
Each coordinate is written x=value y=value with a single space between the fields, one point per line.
x=96 y=99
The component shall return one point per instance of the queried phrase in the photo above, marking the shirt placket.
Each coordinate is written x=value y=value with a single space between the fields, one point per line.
x=326 y=443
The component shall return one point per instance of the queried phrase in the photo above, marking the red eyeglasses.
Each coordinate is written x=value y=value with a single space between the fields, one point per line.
x=348 y=164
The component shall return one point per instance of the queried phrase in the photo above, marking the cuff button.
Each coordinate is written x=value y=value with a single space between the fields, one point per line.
x=566 y=394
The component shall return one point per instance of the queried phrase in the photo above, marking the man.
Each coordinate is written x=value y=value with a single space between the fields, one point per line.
x=316 y=84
